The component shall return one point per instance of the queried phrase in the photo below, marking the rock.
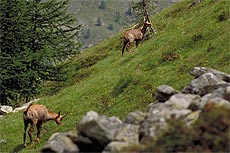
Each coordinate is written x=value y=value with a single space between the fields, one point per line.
x=150 y=128
x=164 y=92
x=209 y=89
x=192 y=117
x=135 y=118
x=6 y=110
x=198 y=71
x=218 y=96
x=157 y=107
x=166 y=111
x=207 y=79
x=210 y=99
x=24 y=106
x=60 y=143
x=3 y=141
x=115 y=147
x=128 y=133
x=183 y=101
x=85 y=144
x=227 y=93
x=100 y=129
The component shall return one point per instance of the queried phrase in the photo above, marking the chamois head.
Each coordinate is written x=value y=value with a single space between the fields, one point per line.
x=59 y=118
x=147 y=24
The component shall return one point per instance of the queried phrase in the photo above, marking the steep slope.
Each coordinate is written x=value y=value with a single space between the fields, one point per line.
x=100 y=79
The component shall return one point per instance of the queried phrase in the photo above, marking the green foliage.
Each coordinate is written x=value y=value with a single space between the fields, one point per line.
x=33 y=40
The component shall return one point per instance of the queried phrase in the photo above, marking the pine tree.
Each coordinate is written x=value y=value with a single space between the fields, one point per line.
x=35 y=36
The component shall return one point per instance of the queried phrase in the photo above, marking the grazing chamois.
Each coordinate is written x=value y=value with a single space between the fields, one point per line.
x=37 y=115
x=134 y=35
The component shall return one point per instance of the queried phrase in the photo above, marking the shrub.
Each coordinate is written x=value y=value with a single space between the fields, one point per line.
x=170 y=56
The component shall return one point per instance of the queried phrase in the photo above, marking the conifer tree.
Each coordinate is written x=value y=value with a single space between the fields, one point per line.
x=35 y=35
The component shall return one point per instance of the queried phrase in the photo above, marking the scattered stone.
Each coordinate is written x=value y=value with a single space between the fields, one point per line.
x=135 y=117
x=198 y=71
x=128 y=133
x=207 y=79
x=164 y=92
x=183 y=101
x=60 y=143
x=5 y=110
x=115 y=147
x=101 y=129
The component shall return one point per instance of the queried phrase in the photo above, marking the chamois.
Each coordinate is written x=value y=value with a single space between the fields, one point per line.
x=134 y=35
x=37 y=115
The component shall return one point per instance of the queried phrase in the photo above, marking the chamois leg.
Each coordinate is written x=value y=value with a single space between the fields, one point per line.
x=39 y=127
x=124 y=46
x=137 y=42
x=31 y=131
x=24 y=135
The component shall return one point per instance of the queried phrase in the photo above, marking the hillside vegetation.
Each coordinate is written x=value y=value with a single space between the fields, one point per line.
x=100 y=79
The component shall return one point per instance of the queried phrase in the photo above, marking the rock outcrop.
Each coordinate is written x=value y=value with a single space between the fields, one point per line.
x=99 y=133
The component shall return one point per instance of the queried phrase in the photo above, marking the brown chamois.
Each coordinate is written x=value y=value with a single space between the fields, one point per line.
x=37 y=115
x=134 y=35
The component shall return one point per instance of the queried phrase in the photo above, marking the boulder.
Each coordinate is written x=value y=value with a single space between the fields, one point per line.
x=207 y=79
x=192 y=117
x=24 y=106
x=164 y=92
x=219 y=95
x=183 y=101
x=211 y=88
x=115 y=147
x=6 y=110
x=100 y=129
x=227 y=94
x=151 y=127
x=135 y=117
x=61 y=143
x=128 y=133
x=86 y=145
x=198 y=71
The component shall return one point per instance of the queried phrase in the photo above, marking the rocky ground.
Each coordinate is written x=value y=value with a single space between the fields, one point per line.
x=99 y=133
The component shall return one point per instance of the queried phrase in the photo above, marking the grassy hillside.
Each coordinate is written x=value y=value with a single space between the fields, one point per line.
x=100 y=79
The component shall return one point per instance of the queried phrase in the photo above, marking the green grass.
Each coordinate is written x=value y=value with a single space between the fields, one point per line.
x=100 y=79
